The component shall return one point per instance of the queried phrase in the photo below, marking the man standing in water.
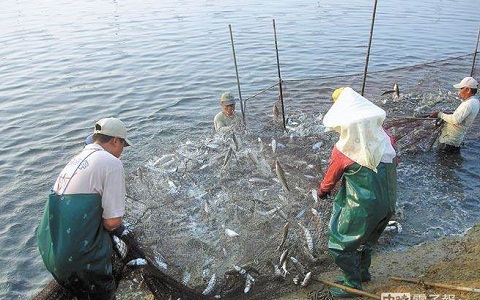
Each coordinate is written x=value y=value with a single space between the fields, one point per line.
x=226 y=120
x=86 y=204
x=364 y=160
x=457 y=124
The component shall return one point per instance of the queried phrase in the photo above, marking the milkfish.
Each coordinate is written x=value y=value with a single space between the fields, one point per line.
x=308 y=237
x=227 y=157
x=120 y=245
x=281 y=175
x=274 y=145
x=315 y=196
x=285 y=234
x=137 y=262
x=307 y=279
x=283 y=256
x=298 y=265
x=231 y=233
x=210 y=285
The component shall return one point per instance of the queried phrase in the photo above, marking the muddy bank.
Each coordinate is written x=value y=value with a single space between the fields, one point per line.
x=451 y=260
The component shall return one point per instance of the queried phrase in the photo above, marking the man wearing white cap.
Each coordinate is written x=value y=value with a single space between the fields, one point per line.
x=226 y=120
x=457 y=124
x=87 y=202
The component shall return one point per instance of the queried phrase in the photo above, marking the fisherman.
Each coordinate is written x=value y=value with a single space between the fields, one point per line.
x=364 y=159
x=226 y=120
x=456 y=125
x=86 y=204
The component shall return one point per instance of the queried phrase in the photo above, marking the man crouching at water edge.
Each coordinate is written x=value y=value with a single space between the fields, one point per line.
x=87 y=202
x=456 y=125
x=364 y=159
x=226 y=120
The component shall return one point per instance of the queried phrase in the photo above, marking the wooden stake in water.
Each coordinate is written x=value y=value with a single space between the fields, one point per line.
x=475 y=53
x=369 y=45
x=236 y=72
x=279 y=76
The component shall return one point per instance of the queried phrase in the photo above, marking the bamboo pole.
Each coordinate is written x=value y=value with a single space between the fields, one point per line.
x=475 y=53
x=440 y=285
x=236 y=72
x=279 y=75
x=369 y=46
x=348 y=289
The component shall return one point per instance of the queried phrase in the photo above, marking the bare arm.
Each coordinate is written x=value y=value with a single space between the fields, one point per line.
x=111 y=224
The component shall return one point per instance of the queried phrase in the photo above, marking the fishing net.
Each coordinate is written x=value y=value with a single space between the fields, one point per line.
x=213 y=215
x=226 y=208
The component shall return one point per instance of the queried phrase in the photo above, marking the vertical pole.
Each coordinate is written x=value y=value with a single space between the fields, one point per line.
x=279 y=75
x=236 y=72
x=369 y=45
x=475 y=53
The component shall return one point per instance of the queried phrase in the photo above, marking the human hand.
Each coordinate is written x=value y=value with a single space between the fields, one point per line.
x=434 y=114
x=322 y=195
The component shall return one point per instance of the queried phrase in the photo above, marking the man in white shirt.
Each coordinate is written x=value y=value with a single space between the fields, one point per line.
x=226 y=120
x=86 y=204
x=456 y=125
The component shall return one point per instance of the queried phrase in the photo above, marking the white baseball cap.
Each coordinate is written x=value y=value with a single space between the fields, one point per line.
x=112 y=127
x=468 y=82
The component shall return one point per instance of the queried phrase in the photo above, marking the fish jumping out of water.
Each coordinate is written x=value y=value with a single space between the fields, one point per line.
x=395 y=91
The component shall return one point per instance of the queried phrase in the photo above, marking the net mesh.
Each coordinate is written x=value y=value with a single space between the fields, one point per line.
x=213 y=211
x=208 y=206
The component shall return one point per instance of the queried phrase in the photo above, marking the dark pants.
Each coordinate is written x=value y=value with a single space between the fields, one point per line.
x=95 y=287
x=448 y=149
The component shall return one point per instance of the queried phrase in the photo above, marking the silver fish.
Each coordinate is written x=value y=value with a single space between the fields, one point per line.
x=296 y=279
x=284 y=268
x=306 y=280
x=210 y=285
x=231 y=233
x=248 y=284
x=285 y=234
x=298 y=265
x=308 y=237
x=275 y=111
x=281 y=175
x=137 y=262
x=260 y=142
x=283 y=256
x=235 y=141
x=120 y=245
x=315 y=196
x=274 y=145
x=227 y=157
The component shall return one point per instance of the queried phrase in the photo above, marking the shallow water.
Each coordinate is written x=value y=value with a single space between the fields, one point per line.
x=160 y=67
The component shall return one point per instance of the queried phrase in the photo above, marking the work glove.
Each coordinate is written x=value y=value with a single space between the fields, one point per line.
x=434 y=114
x=322 y=195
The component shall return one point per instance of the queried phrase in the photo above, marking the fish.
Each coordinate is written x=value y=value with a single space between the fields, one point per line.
x=120 y=246
x=298 y=265
x=210 y=285
x=227 y=157
x=281 y=175
x=284 y=268
x=248 y=284
x=283 y=256
x=277 y=271
x=285 y=234
x=306 y=280
x=275 y=111
x=137 y=262
x=231 y=233
x=395 y=91
x=308 y=237
x=235 y=141
x=315 y=196
x=260 y=143
x=296 y=279
x=274 y=145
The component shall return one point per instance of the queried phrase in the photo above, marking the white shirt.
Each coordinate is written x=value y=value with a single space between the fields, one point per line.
x=457 y=124
x=100 y=173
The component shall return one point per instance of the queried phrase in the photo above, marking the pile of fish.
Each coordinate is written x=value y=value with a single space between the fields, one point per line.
x=231 y=212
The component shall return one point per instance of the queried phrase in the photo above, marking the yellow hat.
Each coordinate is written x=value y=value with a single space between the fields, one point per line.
x=337 y=93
